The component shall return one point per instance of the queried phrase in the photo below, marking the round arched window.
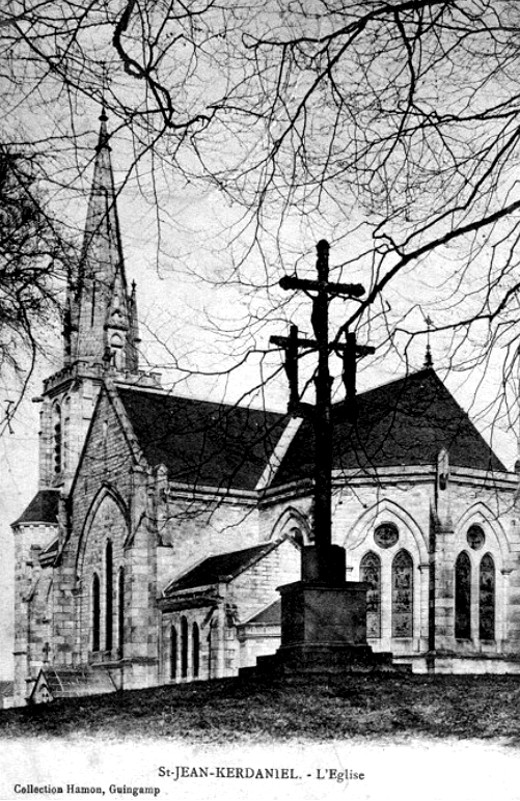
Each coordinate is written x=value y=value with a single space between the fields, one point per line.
x=475 y=537
x=386 y=535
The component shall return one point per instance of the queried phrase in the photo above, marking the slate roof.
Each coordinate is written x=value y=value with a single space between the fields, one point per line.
x=222 y=567
x=203 y=443
x=42 y=509
x=403 y=423
x=269 y=616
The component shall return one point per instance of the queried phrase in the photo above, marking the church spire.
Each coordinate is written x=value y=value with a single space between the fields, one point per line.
x=428 y=361
x=100 y=317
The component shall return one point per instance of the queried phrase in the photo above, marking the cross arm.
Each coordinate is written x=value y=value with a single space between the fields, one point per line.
x=349 y=290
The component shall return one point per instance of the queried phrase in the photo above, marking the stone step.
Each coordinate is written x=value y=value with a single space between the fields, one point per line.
x=307 y=660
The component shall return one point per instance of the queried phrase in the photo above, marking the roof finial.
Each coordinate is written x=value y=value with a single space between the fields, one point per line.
x=428 y=361
x=103 y=133
x=105 y=80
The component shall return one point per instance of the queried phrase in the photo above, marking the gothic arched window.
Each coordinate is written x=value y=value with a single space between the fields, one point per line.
x=121 y=610
x=173 y=652
x=370 y=572
x=195 y=650
x=463 y=597
x=487 y=598
x=184 y=647
x=56 y=438
x=402 y=595
x=108 y=596
x=96 y=616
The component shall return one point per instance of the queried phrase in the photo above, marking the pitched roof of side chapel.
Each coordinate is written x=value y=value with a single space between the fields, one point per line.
x=403 y=423
x=203 y=443
x=222 y=567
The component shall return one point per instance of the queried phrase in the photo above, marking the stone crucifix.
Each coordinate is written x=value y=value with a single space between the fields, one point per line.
x=321 y=412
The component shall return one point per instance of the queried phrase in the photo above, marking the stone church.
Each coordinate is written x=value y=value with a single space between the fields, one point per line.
x=162 y=525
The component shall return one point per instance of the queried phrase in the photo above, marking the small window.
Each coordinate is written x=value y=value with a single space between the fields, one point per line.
x=96 y=616
x=108 y=597
x=476 y=537
x=195 y=650
x=487 y=598
x=184 y=647
x=57 y=439
x=65 y=444
x=296 y=535
x=386 y=535
x=121 y=610
x=402 y=595
x=463 y=597
x=173 y=653
x=116 y=351
x=370 y=573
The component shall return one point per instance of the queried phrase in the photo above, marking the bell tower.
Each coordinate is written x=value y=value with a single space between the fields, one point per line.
x=100 y=330
x=100 y=343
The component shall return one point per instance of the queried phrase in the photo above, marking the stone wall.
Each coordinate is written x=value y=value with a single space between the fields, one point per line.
x=191 y=530
x=32 y=605
x=410 y=499
x=220 y=652
x=109 y=501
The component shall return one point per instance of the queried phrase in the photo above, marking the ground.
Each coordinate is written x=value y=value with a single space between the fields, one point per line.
x=313 y=710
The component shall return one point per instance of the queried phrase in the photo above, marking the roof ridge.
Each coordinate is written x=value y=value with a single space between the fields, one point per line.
x=389 y=383
x=217 y=575
x=164 y=393
x=402 y=423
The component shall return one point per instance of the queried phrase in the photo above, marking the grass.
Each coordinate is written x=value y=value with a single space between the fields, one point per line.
x=314 y=709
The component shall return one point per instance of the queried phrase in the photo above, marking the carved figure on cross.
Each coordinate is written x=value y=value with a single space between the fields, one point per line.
x=320 y=413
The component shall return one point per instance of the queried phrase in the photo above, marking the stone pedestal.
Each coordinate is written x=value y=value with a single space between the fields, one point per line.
x=324 y=627
x=321 y=615
x=323 y=624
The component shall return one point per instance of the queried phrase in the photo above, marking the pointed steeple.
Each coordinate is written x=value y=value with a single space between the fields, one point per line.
x=101 y=320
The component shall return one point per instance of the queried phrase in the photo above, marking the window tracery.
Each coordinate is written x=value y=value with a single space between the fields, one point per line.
x=370 y=572
x=402 y=595
x=487 y=598
x=463 y=597
x=386 y=535
x=475 y=537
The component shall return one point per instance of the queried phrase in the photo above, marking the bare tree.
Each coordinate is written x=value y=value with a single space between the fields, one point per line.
x=389 y=127
x=32 y=255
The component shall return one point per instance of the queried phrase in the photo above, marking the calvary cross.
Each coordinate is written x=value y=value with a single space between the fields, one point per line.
x=320 y=412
